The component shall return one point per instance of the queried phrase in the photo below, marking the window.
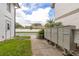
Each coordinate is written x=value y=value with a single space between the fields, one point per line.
x=8 y=26
x=9 y=7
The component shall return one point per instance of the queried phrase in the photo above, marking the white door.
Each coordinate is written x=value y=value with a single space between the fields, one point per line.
x=8 y=29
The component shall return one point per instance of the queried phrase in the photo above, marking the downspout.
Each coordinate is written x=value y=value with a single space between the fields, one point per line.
x=15 y=17
x=14 y=21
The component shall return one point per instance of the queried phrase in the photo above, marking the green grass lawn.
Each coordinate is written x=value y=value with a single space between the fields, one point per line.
x=22 y=37
x=26 y=32
x=15 y=47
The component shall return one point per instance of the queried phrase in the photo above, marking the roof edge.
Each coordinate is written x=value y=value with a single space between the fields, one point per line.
x=17 y=5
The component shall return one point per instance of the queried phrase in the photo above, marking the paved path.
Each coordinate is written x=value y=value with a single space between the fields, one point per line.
x=42 y=48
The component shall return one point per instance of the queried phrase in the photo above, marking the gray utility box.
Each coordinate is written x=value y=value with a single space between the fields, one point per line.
x=60 y=36
x=76 y=36
x=68 y=42
x=54 y=35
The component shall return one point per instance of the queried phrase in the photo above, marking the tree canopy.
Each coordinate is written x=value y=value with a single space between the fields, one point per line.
x=51 y=23
x=18 y=25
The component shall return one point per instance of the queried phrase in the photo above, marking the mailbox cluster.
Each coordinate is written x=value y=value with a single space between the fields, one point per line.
x=62 y=36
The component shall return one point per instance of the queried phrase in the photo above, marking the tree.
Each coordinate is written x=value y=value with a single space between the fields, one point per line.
x=36 y=25
x=18 y=25
x=51 y=23
x=58 y=24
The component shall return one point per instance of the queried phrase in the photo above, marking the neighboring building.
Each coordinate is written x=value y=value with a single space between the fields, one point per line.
x=67 y=13
x=36 y=26
x=7 y=20
x=28 y=27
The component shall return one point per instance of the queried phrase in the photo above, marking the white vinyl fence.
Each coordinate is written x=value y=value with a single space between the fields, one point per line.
x=76 y=33
x=54 y=35
x=63 y=36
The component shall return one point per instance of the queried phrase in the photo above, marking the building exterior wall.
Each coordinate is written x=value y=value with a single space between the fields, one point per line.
x=67 y=13
x=6 y=17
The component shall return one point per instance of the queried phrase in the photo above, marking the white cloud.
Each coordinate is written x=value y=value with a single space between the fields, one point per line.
x=40 y=15
x=20 y=17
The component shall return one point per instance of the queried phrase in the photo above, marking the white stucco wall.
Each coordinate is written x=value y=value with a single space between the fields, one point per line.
x=6 y=17
x=64 y=8
x=2 y=26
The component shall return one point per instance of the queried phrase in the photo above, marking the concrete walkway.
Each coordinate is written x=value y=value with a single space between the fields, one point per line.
x=42 y=48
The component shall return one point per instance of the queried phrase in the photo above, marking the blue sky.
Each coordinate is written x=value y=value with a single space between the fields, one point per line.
x=34 y=13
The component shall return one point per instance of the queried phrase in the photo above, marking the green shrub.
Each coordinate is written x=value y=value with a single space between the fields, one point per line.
x=41 y=34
